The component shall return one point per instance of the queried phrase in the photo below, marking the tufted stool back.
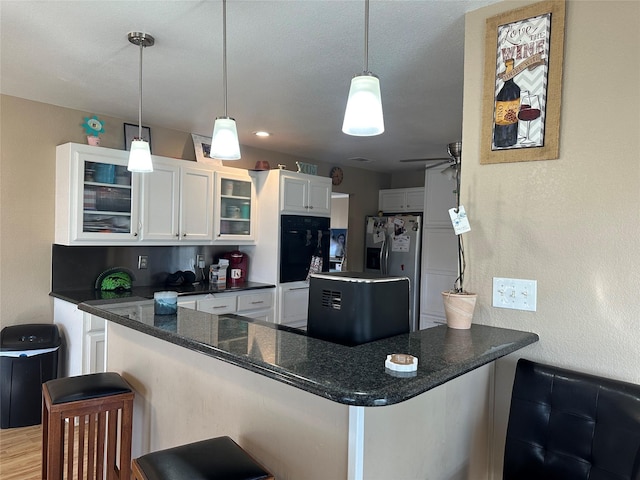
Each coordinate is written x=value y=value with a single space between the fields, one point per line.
x=566 y=425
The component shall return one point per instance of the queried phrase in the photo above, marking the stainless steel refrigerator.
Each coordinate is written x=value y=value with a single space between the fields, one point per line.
x=392 y=247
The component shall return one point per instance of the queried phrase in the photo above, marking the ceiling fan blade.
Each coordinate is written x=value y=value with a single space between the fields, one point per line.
x=410 y=160
x=437 y=164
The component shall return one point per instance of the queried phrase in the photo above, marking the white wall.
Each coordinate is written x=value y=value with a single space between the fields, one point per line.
x=572 y=224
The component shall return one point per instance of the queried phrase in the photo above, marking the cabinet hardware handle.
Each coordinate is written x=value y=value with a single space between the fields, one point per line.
x=311 y=207
x=221 y=306
x=184 y=234
x=135 y=234
x=257 y=303
x=298 y=288
x=177 y=234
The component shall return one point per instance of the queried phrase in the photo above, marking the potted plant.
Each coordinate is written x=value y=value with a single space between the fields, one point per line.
x=458 y=303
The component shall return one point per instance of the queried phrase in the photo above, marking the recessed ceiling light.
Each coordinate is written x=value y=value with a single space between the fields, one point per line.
x=262 y=134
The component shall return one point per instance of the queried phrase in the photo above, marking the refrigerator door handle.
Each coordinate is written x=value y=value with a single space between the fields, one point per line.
x=384 y=263
x=381 y=255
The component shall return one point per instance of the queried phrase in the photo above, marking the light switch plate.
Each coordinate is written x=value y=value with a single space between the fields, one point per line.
x=515 y=293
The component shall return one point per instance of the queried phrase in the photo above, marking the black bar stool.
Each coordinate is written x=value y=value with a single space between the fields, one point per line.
x=217 y=458
x=101 y=405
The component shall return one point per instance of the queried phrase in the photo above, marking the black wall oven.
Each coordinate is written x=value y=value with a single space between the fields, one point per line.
x=301 y=239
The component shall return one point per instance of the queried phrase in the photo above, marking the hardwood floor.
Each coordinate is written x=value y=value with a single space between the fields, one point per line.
x=20 y=453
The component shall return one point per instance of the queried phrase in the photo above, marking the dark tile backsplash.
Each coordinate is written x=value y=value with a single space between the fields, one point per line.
x=78 y=267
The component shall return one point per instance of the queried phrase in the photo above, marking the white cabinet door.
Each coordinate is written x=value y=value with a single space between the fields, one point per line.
x=95 y=349
x=320 y=196
x=196 y=204
x=161 y=201
x=235 y=209
x=400 y=200
x=294 y=194
x=218 y=304
x=391 y=200
x=94 y=360
x=294 y=304
x=177 y=203
x=256 y=300
x=301 y=194
x=97 y=198
x=415 y=199
x=440 y=197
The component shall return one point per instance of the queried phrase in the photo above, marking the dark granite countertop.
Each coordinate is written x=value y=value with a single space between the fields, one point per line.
x=84 y=295
x=348 y=375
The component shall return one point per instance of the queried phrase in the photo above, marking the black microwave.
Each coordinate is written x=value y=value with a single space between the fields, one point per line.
x=301 y=239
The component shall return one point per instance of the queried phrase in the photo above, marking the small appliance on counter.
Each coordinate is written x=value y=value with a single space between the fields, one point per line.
x=237 y=271
x=353 y=308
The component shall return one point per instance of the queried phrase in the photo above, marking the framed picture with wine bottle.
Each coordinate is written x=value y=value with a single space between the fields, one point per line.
x=523 y=84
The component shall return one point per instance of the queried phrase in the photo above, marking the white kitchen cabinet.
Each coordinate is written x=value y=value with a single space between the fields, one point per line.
x=256 y=304
x=84 y=339
x=293 y=304
x=308 y=194
x=234 y=207
x=189 y=301
x=177 y=203
x=401 y=200
x=440 y=197
x=97 y=198
x=218 y=303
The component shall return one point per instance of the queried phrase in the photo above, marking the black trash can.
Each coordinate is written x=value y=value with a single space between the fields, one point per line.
x=28 y=358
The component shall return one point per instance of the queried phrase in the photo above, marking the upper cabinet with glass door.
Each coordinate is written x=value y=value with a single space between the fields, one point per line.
x=96 y=196
x=234 y=207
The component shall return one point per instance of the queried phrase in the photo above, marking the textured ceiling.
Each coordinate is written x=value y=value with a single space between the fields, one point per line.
x=289 y=67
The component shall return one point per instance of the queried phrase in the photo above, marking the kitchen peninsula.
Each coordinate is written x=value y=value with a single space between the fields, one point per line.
x=304 y=407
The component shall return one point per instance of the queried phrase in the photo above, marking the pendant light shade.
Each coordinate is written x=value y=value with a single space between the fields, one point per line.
x=140 y=153
x=224 y=140
x=140 y=157
x=363 y=115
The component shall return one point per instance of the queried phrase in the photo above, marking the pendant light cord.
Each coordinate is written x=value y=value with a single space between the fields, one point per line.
x=366 y=36
x=140 y=96
x=224 y=54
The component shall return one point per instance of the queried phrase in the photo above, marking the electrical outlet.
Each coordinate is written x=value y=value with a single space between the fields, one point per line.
x=143 y=261
x=200 y=261
x=515 y=293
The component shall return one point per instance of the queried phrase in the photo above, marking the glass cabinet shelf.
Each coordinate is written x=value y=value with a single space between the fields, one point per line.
x=235 y=208
x=107 y=198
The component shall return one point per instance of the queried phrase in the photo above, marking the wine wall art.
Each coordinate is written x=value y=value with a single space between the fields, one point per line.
x=523 y=84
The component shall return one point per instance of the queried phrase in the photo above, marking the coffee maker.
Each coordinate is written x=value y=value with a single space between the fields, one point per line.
x=237 y=272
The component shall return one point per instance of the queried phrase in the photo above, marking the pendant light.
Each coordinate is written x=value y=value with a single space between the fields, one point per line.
x=363 y=115
x=140 y=153
x=224 y=141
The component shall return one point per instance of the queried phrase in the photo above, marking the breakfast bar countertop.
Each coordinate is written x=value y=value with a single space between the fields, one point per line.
x=348 y=375
x=82 y=295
